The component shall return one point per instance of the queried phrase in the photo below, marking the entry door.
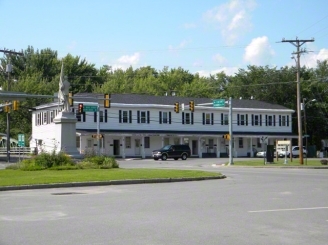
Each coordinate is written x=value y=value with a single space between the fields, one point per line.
x=194 y=147
x=137 y=146
x=116 y=146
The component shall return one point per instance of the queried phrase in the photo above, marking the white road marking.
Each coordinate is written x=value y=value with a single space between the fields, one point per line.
x=288 y=209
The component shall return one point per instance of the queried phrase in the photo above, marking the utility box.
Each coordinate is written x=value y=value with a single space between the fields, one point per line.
x=270 y=153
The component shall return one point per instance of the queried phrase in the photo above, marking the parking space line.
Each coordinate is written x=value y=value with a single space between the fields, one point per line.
x=288 y=209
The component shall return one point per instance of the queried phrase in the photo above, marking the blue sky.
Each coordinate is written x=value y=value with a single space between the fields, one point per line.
x=200 y=36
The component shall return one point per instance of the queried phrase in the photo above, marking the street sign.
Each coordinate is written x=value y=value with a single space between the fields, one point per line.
x=88 y=108
x=21 y=140
x=264 y=139
x=219 y=103
x=306 y=136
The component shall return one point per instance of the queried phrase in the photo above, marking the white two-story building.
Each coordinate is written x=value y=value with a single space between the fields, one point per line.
x=136 y=124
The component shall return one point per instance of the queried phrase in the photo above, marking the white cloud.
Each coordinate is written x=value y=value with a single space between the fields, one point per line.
x=259 y=51
x=219 y=58
x=181 y=45
x=230 y=71
x=126 y=61
x=310 y=59
x=232 y=18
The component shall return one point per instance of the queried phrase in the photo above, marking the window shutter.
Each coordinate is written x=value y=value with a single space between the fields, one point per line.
x=182 y=117
x=246 y=119
x=287 y=120
x=148 y=116
x=260 y=120
x=120 y=116
x=212 y=118
x=279 y=120
x=252 y=119
x=138 y=116
x=274 y=120
x=221 y=118
x=106 y=115
x=130 y=116
x=203 y=118
x=266 y=120
x=95 y=116
x=170 y=118
x=192 y=118
x=160 y=117
x=237 y=119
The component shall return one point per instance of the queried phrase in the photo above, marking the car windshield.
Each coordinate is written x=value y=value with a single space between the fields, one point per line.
x=166 y=147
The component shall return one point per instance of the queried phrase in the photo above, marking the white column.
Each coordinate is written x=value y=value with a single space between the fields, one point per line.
x=218 y=147
x=143 y=155
x=123 y=146
x=200 y=147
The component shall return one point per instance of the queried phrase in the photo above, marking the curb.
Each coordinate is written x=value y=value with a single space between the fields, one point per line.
x=104 y=183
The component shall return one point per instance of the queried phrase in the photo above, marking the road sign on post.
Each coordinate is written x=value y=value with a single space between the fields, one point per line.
x=88 y=108
x=21 y=140
x=219 y=103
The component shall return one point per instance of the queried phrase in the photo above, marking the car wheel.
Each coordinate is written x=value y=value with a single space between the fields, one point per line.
x=176 y=158
x=155 y=158
x=184 y=157
x=164 y=157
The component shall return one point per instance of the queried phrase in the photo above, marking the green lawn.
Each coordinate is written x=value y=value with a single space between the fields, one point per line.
x=280 y=162
x=10 y=177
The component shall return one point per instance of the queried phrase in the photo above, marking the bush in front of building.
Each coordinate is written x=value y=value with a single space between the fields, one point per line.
x=56 y=161
x=100 y=162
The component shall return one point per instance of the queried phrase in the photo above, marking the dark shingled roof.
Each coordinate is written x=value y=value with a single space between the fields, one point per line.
x=170 y=100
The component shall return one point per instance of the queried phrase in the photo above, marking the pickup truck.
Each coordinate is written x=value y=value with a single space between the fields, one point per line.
x=295 y=152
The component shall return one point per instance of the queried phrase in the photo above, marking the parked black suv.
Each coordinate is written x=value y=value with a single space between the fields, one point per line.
x=172 y=151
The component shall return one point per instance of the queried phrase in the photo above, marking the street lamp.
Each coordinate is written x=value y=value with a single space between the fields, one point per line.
x=305 y=126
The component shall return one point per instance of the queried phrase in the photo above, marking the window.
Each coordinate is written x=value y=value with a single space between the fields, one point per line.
x=125 y=117
x=45 y=117
x=242 y=119
x=208 y=118
x=283 y=121
x=165 y=117
x=270 y=121
x=89 y=143
x=143 y=117
x=101 y=116
x=256 y=120
x=241 y=143
x=226 y=119
x=147 y=142
x=127 y=142
x=77 y=141
x=38 y=119
x=187 y=121
x=51 y=116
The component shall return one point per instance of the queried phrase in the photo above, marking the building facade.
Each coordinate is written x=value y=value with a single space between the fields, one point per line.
x=135 y=125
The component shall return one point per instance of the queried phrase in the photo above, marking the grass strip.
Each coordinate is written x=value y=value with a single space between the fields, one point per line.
x=280 y=162
x=10 y=177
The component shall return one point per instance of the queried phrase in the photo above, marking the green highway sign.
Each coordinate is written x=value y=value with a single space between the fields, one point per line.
x=88 y=108
x=21 y=140
x=219 y=103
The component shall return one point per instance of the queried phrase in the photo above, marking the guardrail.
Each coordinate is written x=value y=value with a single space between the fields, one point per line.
x=16 y=150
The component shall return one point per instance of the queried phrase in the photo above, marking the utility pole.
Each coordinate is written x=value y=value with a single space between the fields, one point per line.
x=298 y=43
x=230 y=133
x=9 y=70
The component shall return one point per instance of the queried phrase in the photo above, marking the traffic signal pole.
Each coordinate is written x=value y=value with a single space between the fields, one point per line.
x=98 y=131
x=230 y=133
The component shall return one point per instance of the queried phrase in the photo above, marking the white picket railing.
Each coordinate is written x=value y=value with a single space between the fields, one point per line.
x=17 y=150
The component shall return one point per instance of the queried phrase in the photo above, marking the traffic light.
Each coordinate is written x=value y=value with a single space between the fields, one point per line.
x=192 y=106
x=176 y=107
x=107 y=100
x=80 y=108
x=226 y=136
x=15 y=105
x=70 y=99
x=6 y=108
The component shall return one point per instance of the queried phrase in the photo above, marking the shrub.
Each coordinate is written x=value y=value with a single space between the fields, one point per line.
x=101 y=162
x=324 y=161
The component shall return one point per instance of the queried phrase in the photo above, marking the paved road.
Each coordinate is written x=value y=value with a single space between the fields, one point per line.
x=250 y=206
